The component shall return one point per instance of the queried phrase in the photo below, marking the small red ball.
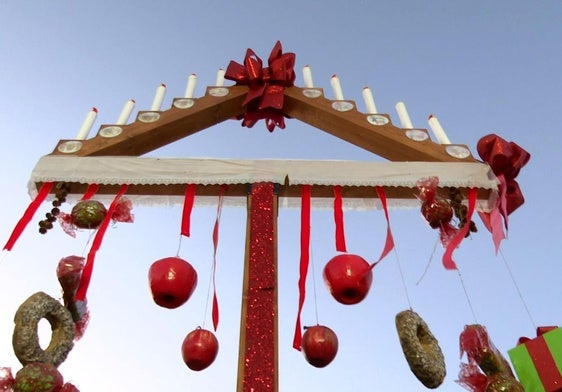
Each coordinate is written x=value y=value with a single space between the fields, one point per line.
x=199 y=349
x=319 y=345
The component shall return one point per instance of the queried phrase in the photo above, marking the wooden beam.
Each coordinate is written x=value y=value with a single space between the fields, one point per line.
x=386 y=140
x=139 y=137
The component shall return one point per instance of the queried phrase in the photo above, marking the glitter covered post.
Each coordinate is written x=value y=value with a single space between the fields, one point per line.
x=257 y=367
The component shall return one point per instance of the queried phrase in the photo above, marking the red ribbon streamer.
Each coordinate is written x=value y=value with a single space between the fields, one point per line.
x=96 y=243
x=448 y=262
x=389 y=241
x=187 y=208
x=304 y=260
x=215 y=311
x=90 y=192
x=28 y=215
x=266 y=85
x=338 y=218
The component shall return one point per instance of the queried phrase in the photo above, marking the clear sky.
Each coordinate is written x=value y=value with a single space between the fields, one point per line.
x=480 y=67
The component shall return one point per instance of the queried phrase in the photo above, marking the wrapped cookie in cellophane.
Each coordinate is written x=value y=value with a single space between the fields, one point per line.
x=89 y=214
x=69 y=273
x=487 y=370
x=436 y=210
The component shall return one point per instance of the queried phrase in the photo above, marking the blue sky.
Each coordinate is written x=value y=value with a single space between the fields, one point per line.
x=480 y=67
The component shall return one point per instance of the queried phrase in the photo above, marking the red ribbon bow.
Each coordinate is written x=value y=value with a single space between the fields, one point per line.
x=266 y=85
x=540 y=331
x=506 y=160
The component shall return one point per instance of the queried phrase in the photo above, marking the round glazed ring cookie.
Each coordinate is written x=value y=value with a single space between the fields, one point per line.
x=421 y=349
x=25 y=340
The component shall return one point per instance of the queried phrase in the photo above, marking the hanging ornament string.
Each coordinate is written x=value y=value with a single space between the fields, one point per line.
x=304 y=260
x=215 y=310
x=338 y=218
x=519 y=292
x=88 y=268
x=313 y=268
x=28 y=215
x=468 y=301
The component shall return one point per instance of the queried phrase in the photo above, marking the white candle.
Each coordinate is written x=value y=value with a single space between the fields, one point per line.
x=190 y=89
x=336 y=86
x=220 y=78
x=158 y=98
x=126 y=112
x=438 y=130
x=307 y=77
x=87 y=124
x=369 y=101
x=403 y=115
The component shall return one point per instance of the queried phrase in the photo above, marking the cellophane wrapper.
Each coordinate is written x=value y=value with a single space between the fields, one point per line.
x=6 y=379
x=484 y=361
x=69 y=272
x=427 y=188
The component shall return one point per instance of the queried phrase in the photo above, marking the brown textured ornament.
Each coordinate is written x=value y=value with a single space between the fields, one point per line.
x=88 y=214
x=421 y=349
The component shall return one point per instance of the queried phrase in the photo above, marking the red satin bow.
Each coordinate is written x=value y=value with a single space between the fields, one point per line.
x=266 y=85
x=540 y=331
x=506 y=160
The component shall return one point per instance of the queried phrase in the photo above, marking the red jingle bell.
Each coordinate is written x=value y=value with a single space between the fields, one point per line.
x=319 y=345
x=348 y=278
x=199 y=349
x=172 y=280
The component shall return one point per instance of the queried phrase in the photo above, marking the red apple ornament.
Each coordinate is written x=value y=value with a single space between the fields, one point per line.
x=172 y=280
x=319 y=345
x=199 y=349
x=348 y=278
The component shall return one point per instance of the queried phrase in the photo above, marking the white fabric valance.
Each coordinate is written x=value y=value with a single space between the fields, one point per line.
x=211 y=171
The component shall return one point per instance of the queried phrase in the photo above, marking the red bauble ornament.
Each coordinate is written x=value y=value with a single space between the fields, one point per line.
x=38 y=377
x=88 y=214
x=172 y=280
x=319 y=345
x=199 y=349
x=437 y=212
x=348 y=278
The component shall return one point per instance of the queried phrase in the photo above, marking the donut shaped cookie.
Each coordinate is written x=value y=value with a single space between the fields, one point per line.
x=25 y=340
x=421 y=349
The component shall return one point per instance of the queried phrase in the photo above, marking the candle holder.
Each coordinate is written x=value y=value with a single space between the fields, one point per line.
x=218 y=91
x=312 y=92
x=457 y=151
x=417 y=135
x=183 y=103
x=70 y=146
x=148 y=117
x=377 y=119
x=342 y=106
x=110 y=131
